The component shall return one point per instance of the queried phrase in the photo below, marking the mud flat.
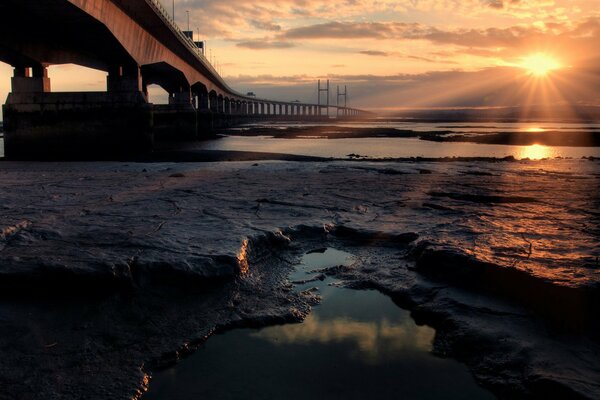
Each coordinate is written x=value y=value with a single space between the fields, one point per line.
x=110 y=272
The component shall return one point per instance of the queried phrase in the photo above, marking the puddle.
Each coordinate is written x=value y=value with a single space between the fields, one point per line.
x=355 y=345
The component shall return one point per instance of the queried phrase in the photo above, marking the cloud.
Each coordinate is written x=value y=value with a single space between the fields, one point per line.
x=489 y=87
x=264 y=44
x=265 y=25
x=494 y=3
x=375 y=53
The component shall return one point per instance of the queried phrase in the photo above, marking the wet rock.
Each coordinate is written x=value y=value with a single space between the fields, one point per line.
x=554 y=300
x=438 y=207
x=320 y=277
x=484 y=199
x=365 y=236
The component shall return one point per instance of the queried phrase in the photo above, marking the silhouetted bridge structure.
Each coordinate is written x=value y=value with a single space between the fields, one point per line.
x=138 y=44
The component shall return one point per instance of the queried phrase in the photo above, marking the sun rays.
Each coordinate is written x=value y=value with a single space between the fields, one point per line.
x=539 y=64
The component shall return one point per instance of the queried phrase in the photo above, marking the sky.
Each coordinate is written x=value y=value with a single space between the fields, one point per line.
x=393 y=54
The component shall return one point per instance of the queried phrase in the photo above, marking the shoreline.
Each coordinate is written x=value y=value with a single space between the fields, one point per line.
x=553 y=138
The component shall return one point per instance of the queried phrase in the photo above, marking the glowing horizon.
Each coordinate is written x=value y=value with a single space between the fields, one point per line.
x=393 y=54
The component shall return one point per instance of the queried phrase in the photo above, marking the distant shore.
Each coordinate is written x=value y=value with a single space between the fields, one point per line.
x=587 y=137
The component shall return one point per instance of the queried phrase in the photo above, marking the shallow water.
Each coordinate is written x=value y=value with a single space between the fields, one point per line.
x=393 y=148
x=388 y=147
x=355 y=345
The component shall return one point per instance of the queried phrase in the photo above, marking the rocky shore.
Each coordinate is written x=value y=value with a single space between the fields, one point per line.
x=109 y=271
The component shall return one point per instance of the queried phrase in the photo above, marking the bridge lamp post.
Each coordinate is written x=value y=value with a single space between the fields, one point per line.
x=188 y=18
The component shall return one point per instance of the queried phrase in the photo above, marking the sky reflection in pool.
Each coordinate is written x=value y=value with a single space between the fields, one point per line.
x=355 y=345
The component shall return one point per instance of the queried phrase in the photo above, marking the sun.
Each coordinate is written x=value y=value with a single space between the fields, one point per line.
x=539 y=65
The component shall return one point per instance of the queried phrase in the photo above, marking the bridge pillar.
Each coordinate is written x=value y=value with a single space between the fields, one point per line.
x=39 y=124
x=203 y=103
x=31 y=80
x=124 y=79
x=177 y=120
x=204 y=117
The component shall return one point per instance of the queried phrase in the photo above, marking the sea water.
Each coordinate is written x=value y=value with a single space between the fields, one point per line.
x=393 y=147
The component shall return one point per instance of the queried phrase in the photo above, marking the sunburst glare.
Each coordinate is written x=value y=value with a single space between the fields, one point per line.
x=539 y=65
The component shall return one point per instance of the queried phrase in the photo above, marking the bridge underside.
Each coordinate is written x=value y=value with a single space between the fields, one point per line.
x=135 y=47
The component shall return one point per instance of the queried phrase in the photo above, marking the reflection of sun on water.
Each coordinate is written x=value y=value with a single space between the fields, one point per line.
x=535 y=129
x=535 y=152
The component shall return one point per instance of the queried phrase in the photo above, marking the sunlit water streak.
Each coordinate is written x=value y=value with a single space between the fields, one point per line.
x=355 y=345
x=394 y=148
x=389 y=147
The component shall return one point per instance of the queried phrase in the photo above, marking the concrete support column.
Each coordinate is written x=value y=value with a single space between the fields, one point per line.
x=24 y=82
x=183 y=97
x=124 y=79
x=203 y=101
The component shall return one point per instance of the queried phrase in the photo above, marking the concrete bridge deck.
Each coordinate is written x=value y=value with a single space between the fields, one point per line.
x=137 y=44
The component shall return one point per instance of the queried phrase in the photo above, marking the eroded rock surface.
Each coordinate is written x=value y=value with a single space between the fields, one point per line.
x=109 y=270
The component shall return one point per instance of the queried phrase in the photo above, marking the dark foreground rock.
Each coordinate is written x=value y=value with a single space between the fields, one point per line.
x=109 y=271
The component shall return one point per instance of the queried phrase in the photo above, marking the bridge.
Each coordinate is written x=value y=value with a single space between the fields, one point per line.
x=138 y=44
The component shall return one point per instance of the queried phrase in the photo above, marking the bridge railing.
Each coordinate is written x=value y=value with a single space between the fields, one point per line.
x=187 y=41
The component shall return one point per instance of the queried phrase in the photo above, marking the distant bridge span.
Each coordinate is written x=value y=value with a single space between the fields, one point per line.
x=138 y=44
